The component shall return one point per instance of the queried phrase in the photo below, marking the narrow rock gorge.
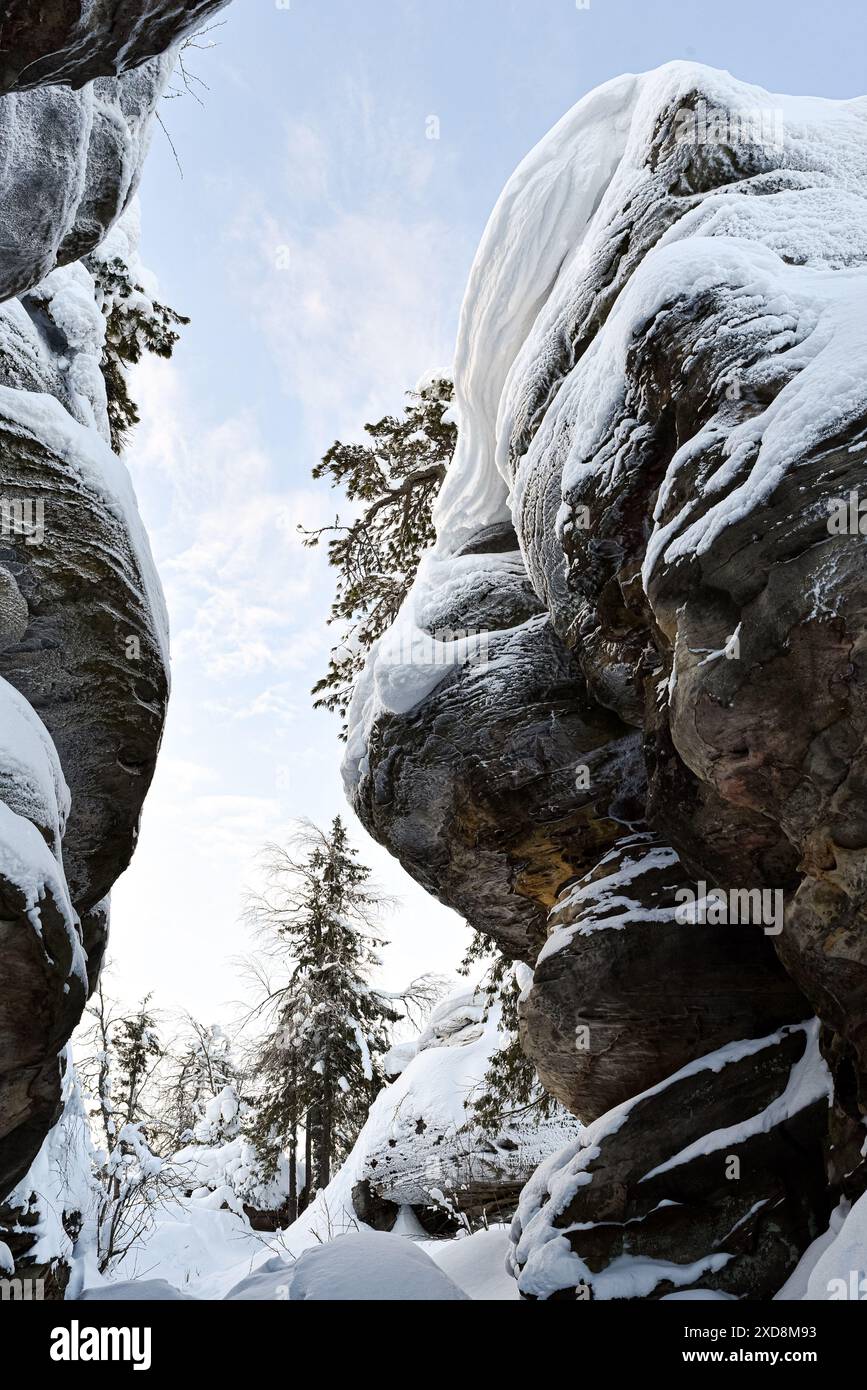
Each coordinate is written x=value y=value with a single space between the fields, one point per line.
x=642 y=772
x=618 y=725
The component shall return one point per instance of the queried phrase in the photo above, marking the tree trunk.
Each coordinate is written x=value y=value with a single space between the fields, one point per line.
x=293 y=1174
x=323 y=1155
x=308 y=1160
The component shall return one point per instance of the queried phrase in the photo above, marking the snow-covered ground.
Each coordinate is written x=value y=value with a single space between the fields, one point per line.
x=203 y=1246
x=203 y=1250
x=198 y=1253
x=195 y=1252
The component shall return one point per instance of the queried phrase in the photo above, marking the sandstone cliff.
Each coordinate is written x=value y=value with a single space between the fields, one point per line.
x=83 y=635
x=644 y=776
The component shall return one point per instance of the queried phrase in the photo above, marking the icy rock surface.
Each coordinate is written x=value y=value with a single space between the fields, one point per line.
x=83 y=641
x=71 y=164
x=660 y=395
x=75 y=41
x=47 y=1222
x=473 y=783
x=611 y=1009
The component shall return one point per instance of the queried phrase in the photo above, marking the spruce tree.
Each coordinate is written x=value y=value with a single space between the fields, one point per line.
x=510 y=1086
x=318 y=1067
x=134 y=323
x=391 y=483
x=138 y=1050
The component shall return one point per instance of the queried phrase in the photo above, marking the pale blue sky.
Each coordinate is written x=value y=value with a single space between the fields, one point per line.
x=320 y=242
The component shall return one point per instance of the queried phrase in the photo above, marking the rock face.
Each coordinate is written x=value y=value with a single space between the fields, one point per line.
x=84 y=670
x=71 y=164
x=41 y=1219
x=78 y=86
x=476 y=789
x=83 y=639
x=659 y=390
x=712 y=1180
x=612 y=1009
x=76 y=41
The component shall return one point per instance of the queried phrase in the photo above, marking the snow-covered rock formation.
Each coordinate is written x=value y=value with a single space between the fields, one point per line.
x=420 y=1162
x=652 y=519
x=47 y=1223
x=709 y=1179
x=421 y=1148
x=71 y=161
x=75 y=41
x=83 y=641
